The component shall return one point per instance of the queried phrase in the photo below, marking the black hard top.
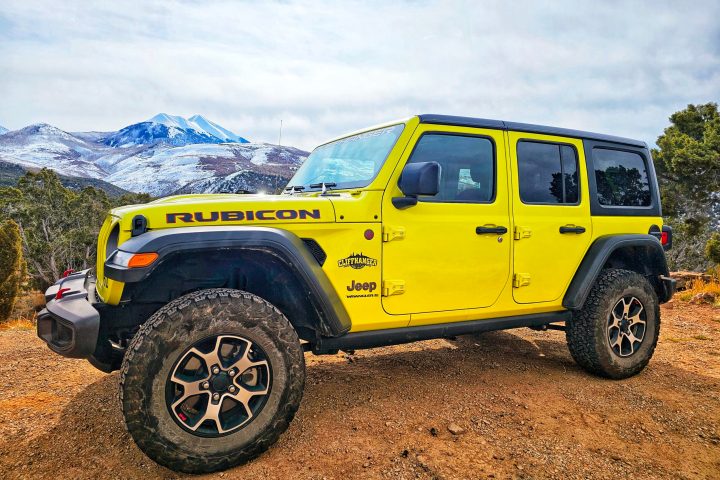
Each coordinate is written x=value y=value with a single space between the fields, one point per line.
x=523 y=127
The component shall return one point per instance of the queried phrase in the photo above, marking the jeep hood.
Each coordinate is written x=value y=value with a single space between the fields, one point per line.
x=227 y=209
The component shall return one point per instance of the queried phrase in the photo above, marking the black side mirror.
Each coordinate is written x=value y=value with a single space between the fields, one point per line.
x=417 y=179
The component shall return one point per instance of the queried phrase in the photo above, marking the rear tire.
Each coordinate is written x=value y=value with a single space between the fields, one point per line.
x=615 y=333
x=188 y=350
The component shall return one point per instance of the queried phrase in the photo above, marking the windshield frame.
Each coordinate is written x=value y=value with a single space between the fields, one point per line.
x=347 y=185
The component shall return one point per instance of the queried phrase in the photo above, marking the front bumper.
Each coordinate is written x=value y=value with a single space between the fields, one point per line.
x=70 y=325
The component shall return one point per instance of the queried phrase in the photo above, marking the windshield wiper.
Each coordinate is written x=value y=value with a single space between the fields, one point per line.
x=294 y=188
x=324 y=187
x=320 y=185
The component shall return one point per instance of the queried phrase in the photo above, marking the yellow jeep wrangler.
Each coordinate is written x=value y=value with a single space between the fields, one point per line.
x=430 y=227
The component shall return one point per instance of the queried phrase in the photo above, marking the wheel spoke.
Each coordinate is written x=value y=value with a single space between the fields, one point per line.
x=190 y=389
x=626 y=306
x=212 y=413
x=636 y=314
x=244 y=363
x=632 y=339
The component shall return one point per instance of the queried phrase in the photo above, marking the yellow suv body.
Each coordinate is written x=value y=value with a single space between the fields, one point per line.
x=428 y=227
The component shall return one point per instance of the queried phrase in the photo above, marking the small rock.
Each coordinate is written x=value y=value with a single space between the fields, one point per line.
x=433 y=431
x=455 y=429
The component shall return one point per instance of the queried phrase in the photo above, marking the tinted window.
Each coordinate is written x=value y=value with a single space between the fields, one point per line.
x=548 y=173
x=467 y=166
x=621 y=178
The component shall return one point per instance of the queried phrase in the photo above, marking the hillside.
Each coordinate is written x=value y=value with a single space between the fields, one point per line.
x=10 y=173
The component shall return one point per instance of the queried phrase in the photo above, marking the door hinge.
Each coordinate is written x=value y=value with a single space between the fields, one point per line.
x=393 y=233
x=393 y=287
x=521 y=280
x=522 y=232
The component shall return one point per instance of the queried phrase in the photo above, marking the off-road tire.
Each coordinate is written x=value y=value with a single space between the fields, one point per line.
x=586 y=333
x=157 y=346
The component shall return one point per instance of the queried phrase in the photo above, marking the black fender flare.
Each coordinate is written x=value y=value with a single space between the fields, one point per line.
x=647 y=247
x=281 y=243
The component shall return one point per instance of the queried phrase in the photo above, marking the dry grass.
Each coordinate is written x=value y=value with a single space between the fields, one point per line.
x=709 y=288
x=18 y=324
x=24 y=312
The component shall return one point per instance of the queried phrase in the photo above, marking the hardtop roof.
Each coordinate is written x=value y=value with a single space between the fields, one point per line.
x=523 y=127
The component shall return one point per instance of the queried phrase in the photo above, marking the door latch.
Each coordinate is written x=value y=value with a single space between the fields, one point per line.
x=521 y=280
x=522 y=232
x=393 y=287
x=393 y=233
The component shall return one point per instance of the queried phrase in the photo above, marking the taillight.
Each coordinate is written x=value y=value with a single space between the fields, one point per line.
x=666 y=237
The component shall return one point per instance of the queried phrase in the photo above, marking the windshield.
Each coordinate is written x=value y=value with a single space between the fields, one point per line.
x=350 y=162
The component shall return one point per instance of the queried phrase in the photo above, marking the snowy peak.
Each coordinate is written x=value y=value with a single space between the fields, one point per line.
x=3 y=130
x=198 y=124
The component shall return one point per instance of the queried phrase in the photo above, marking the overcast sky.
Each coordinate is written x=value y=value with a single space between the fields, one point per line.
x=326 y=68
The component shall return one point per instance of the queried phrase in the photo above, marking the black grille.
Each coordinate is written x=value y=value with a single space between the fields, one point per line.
x=316 y=250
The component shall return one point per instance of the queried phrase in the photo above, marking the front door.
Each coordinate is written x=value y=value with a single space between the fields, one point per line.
x=551 y=212
x=449 y=252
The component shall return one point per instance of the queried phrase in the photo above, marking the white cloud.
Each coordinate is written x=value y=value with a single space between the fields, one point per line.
x=326 y=68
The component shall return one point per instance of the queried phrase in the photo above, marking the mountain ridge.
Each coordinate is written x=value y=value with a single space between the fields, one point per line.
x=155 y=158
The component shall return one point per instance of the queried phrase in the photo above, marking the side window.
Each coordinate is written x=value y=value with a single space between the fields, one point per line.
x=621 y=178
x=548 y=173
x=467 y=166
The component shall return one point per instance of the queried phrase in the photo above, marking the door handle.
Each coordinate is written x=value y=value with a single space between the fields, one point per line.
x=572 y=229
x=491 y=230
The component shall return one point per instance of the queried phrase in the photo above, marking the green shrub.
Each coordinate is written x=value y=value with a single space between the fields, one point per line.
x=712 y=248
x=11 y=267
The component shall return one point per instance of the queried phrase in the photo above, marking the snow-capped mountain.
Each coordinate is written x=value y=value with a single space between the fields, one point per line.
x=154 y=157
x=199 y=124
x=172 y=130
x=208 y=168
x=42 y=145
x=3 y=130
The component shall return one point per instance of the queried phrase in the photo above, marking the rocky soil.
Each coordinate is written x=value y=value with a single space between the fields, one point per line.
x=500 y=405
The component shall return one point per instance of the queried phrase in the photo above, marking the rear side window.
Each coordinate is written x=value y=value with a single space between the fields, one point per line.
x=621 y=178
x=548 y=173
x=467 y=166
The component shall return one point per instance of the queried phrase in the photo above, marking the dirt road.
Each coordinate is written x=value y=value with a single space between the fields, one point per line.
x=524 y=408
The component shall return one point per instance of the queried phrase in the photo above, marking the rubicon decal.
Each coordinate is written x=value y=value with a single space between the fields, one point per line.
x=242 y=215
x=357 y=261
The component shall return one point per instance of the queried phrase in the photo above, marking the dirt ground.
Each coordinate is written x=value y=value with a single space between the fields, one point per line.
x=524 y=408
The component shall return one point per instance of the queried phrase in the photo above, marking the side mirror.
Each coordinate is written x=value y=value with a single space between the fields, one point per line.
x=417 y=179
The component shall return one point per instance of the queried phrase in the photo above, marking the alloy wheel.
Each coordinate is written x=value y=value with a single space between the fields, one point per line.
x=218 y=385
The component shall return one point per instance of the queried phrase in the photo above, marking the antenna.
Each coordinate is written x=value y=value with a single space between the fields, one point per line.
x=280 y=137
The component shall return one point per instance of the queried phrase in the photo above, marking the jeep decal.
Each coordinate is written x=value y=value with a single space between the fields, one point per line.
x=357 y=261
x=239 y=215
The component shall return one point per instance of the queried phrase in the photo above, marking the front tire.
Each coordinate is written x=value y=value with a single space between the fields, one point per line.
x=615 y=333
x=211 y=380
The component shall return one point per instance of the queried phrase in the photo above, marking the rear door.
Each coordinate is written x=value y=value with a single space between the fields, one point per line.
x=551 y=211
x=450 y=251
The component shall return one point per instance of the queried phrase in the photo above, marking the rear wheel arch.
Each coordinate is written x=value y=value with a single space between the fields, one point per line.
x=642 y=254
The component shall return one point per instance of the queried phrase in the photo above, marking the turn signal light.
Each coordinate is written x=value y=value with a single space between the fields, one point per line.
x=664 y=238
x=142 y=259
